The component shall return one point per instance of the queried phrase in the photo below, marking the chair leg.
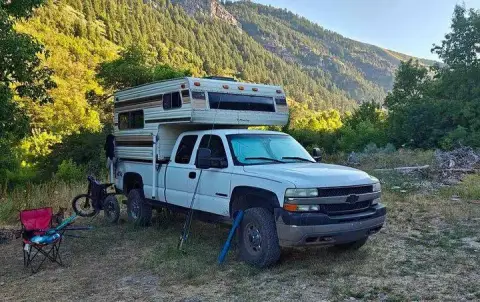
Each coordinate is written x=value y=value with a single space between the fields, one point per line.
x=24 y=255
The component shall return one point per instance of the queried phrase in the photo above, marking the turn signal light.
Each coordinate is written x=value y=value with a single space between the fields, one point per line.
x=279 y=91
x=290 y=207
x=300 y=207
x=196 y=84
x=183 y=86
x=225 y=87
x=241 y=88
x=255 y=89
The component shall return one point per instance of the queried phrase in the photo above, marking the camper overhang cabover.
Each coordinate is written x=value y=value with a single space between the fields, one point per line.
x=156 y=114
x=201 y=101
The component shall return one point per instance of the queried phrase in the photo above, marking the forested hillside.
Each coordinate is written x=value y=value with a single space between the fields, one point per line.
x=319 y=68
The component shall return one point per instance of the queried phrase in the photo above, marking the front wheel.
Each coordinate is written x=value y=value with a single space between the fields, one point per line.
x=83 y=206
x=258 y=239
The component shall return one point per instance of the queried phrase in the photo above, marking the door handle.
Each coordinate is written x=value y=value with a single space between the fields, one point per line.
x=192 y=175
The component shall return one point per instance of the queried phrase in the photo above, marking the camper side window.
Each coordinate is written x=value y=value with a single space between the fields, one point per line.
x=172 y=101
x=131 y=120
x=185 y=149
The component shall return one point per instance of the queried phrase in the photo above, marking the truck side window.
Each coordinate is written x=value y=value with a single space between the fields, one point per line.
x=215 y=143
x=185 y=149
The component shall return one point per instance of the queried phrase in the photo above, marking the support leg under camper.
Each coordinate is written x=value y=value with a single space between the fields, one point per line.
x=154 y=167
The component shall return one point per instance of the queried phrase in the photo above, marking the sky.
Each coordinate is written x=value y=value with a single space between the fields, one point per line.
x=406 y=26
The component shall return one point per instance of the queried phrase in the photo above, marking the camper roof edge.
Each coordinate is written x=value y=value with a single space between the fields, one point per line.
x=192 y=82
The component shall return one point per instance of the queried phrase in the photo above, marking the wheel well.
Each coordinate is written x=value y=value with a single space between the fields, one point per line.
x=244 y=198
x=132 y=181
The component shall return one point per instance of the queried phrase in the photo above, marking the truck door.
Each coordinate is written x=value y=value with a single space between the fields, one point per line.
x=182 y=174
x=213 y=193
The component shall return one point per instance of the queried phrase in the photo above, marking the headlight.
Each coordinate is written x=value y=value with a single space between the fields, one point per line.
x=377 y=187
x=301 y=193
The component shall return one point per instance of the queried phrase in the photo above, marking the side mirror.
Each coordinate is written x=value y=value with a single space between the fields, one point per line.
x=317 y=154
x=204 y=158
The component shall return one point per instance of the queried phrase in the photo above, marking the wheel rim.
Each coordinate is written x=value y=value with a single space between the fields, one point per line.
x=253 y=238
x=135 y=210
x=109 y=209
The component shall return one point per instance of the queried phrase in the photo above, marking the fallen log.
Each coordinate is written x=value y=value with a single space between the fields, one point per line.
x=406 y=169
x=470 y=171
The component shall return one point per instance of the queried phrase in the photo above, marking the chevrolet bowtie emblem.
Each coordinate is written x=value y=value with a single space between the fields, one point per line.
x=352 y=199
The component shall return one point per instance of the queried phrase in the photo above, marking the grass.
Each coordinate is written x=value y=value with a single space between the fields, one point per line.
x=421 y=254
x=52 y=194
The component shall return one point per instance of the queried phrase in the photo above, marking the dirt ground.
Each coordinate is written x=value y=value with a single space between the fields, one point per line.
x=429 y=250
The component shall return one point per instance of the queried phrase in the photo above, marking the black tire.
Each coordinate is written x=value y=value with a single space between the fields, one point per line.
x=258 y=239
x=139 y=212
x=350 y=246
x=111 y=209
x=83 y=206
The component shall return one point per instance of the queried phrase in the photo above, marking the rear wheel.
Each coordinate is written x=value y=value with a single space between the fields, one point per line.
x=258 y=239
x=83 y=206
x=351 y=246
x=139 y=212
x=111 y=209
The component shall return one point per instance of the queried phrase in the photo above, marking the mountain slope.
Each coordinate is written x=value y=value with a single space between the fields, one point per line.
x=363 y=71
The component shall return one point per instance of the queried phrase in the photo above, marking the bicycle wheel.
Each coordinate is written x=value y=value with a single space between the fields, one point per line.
x=83 y=206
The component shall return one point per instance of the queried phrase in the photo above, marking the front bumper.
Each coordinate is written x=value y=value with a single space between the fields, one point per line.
x=302 y=229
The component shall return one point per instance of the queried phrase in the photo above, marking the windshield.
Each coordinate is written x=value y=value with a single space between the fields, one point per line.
x=259 y=149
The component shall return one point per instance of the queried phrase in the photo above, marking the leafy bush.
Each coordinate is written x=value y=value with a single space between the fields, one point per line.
x=84 y=149
x=68 y=171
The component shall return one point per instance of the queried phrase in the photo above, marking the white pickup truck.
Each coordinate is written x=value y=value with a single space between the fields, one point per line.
x=289 y=199
x=172 y=135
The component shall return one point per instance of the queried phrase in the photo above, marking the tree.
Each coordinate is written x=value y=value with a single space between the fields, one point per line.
x=133 y=69
x=20 y=67
x=461 y=47
x=440 y=107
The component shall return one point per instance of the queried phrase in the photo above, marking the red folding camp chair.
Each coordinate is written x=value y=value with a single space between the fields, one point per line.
x=37 y=240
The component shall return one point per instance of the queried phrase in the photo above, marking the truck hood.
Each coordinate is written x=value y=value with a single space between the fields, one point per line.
x=314 y=175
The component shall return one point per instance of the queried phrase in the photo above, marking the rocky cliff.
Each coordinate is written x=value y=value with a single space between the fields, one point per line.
x=210 y=7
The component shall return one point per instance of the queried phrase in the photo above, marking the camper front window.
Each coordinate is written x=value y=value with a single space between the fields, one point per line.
x=241 y=102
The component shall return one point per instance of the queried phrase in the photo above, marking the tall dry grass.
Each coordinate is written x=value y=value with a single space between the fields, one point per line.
x=51 y=194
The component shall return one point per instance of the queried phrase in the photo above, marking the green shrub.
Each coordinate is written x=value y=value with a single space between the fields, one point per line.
x=84 y=149
x=68 y=171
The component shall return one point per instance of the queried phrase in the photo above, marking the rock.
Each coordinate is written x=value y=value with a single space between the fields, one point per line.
x=353 y=159
x=210 y=7
x=472 y=242
x=396 y=188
